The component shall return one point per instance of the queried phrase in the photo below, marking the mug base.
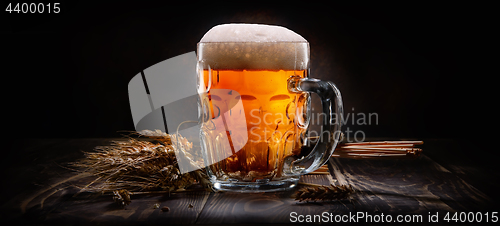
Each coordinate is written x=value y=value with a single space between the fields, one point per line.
x=264 y=185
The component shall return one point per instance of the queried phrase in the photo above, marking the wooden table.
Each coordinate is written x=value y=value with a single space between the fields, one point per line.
x=436 y=182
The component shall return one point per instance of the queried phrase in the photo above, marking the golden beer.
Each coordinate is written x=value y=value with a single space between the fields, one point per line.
x=270 y=111
x=254 y=105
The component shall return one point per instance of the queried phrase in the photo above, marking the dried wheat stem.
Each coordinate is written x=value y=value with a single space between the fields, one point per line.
x=309 y=184
x=418 y=142
x=318 y=173
x=385 y=149
x=376 y=145
x=161 y=192
x=378 y=149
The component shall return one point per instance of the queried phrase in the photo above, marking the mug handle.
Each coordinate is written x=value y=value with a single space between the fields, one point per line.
x=330 y=99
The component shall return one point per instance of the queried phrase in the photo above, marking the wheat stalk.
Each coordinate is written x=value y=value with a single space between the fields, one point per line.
x=378 y=150
x=136 y=166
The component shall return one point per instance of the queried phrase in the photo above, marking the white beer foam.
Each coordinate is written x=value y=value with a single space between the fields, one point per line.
x=251 y=33
x=253 y=46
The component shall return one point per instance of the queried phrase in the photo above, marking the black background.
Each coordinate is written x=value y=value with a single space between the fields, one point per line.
x=420 y=67
x=427 y=69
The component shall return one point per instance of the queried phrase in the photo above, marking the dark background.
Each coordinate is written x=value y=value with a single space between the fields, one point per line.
x=420 y=67
x=427 y=70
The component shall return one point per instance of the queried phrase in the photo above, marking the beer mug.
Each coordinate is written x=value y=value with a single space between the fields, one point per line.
x=254 y=105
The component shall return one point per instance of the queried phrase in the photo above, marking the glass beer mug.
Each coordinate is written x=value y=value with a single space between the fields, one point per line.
x=254 y=105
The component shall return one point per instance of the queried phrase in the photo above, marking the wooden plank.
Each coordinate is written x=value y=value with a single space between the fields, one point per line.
x=395 y=186
x=184 y=208
x=474 y=161
x=262 y=208
x=41 y=166
x=409 y=186
x=51 y=201
x=385 y=186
